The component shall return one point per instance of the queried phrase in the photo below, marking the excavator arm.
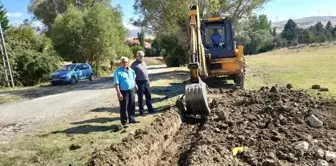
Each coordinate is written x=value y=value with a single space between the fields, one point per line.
x=196 y=90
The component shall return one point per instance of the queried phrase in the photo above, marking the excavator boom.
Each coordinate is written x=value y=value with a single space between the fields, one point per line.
x=196 y=91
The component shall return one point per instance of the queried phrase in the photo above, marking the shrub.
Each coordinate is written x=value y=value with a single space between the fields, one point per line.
x=33 y=67
x=124 y=50
x=136 y=48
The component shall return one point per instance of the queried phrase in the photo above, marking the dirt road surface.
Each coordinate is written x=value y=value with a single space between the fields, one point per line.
x=62 y=102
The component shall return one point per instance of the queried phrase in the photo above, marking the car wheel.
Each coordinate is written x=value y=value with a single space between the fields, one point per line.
x=73 y=80
x=53 y=84
x=91 y=77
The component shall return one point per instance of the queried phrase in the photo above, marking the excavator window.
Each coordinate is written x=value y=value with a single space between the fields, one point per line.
x=217 y=38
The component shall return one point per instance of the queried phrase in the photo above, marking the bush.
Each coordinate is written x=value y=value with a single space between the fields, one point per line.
x=33 y=67
x=151 y=52
x=136 y=48
x=32 y=55
x=124 y=50
x=173 y=54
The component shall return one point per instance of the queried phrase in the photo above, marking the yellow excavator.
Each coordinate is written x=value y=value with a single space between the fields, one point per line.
x=213 y=53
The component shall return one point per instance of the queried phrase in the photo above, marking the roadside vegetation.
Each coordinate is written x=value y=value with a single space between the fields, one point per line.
x=87 y=32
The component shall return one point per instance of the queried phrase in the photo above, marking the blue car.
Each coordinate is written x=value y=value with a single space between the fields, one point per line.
x=72 y=73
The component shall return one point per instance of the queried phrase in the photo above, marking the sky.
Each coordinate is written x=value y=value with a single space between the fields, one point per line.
x=276 y=10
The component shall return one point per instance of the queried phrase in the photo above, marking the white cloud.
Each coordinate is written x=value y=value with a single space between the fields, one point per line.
x=133 y=30
x=14 y=15
x=37 y=24
x=130 y=26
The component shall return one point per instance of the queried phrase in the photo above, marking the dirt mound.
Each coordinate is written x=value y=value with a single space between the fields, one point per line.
x=278 y=126
x=271 y=123
x=144 y=147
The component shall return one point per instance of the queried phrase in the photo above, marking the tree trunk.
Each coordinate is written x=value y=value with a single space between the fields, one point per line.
x=97 y=67
x=111 y=64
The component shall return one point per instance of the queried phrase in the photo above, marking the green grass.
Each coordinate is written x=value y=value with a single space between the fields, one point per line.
x=302 y=69
x=8 y=98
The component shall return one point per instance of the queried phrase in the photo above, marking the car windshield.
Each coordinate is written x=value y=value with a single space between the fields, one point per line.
x=67 y=68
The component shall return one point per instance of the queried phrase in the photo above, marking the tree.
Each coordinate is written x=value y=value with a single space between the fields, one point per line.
x=141 y=38
x=47 y=10
x=135 y=49
x=334 y=33
x=328 y=26
x=320 y=32
x=328 y=31
x=290 y=31
x=274 y=32
x=3 y=18
x=257 y=36
x=32 y=56
x=90 y=34
x=237 y=9
x=68 y=35
x=169 y=20
x=308 y=36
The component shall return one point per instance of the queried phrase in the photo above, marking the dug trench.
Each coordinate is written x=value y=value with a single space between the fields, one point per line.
x=274 y=126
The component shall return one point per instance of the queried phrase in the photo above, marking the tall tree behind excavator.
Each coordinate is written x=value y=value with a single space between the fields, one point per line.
x=168 y=19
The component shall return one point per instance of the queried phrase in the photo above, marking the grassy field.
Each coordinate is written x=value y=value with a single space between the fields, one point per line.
x=302 y=68
x=96 y=130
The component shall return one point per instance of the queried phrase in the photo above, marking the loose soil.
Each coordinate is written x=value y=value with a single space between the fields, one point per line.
x=269 y=122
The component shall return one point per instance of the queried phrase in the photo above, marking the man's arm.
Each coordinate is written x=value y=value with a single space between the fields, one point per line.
x=117 y=89
x=135 y=85
x=116 y=83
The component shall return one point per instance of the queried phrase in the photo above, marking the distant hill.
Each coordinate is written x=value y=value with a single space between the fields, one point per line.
x=306 y=22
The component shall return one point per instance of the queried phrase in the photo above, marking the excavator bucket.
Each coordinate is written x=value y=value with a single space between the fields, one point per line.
x=196 y=99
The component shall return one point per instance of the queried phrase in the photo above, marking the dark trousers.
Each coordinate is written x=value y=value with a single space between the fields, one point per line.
x=127 y=106
x=144 y=88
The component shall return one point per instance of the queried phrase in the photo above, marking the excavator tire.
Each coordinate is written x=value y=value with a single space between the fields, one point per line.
x=196 y=99
x=239 y=79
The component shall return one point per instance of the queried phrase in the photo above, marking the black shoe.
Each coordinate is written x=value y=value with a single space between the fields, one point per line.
x=143 y=114
x=134 y=121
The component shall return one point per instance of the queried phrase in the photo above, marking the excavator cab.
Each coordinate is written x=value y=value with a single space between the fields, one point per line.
x=223 y=58
x=217 y=38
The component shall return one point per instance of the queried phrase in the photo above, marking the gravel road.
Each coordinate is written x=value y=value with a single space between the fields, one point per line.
x=29 y=115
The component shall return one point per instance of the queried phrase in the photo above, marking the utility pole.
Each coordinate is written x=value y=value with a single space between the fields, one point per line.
x=6 y=64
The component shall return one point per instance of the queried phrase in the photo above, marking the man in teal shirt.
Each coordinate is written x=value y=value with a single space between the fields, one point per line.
x=124 y=80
